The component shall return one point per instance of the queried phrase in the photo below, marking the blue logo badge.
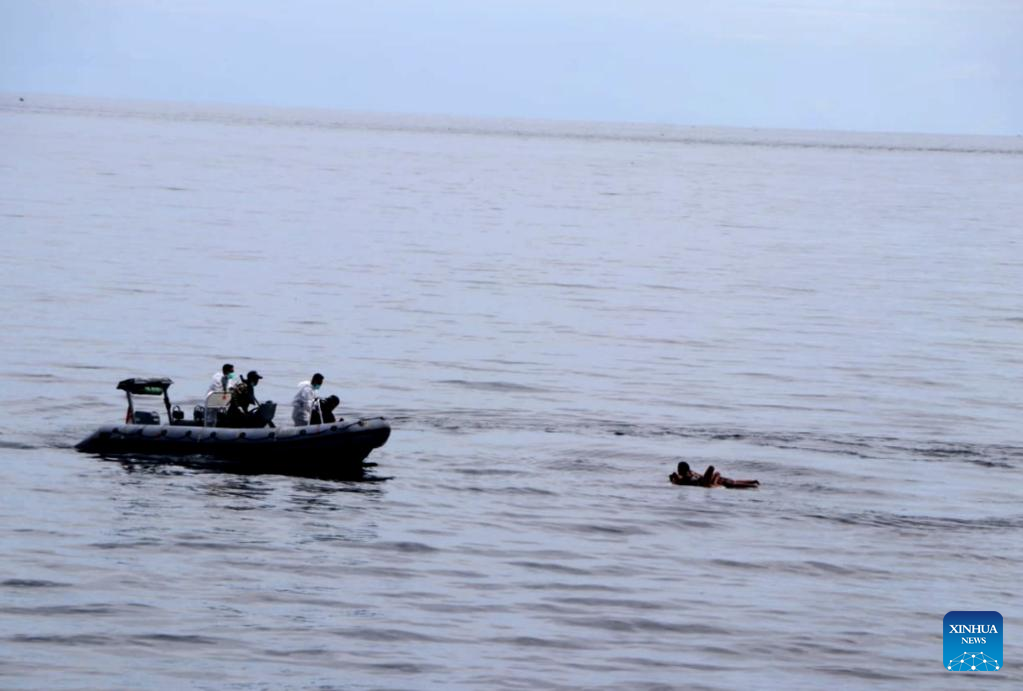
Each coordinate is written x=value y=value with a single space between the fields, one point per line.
x=973 y=641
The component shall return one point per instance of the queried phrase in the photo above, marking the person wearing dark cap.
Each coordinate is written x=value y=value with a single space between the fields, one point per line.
x=710 y=478
x=305 y=400
x=243 y=405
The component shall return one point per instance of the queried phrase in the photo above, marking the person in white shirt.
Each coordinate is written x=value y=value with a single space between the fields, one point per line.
x=302 y=405
x=224 y=380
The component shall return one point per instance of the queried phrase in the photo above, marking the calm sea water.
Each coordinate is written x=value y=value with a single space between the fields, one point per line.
x=552 y=315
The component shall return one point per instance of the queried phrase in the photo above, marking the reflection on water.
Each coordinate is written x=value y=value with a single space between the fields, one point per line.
x=177 y=465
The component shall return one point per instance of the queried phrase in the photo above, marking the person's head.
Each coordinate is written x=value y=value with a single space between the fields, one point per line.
x=683 y=468
x=317 y=380
x=227 y=369
x=253 y=377
x=329 y=403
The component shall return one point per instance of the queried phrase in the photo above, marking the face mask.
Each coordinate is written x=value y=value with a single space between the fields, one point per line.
x=231 y=376
x=316 y=387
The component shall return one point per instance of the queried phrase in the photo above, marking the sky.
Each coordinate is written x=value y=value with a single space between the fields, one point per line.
x=951 y=66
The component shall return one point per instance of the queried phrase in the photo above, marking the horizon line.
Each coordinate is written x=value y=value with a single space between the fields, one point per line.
x=212 y=108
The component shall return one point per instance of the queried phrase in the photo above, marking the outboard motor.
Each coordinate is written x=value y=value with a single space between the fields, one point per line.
x=266 y=412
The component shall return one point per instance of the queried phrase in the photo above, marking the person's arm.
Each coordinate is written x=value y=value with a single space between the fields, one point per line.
x=308 y=396
x=707 y=479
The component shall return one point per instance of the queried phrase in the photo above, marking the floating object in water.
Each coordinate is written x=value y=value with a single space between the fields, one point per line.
x=710 y=478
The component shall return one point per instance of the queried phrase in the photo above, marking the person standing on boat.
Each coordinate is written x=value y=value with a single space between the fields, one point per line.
x=305 y=399
x=224 y=380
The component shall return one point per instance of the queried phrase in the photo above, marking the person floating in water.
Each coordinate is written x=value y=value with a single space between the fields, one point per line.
x=710 y=478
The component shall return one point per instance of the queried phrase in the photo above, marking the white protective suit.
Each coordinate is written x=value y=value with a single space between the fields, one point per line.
x=302 y=405
x=218 y=383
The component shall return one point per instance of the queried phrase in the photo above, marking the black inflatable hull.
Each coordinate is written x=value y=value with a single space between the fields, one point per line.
x=329 y=447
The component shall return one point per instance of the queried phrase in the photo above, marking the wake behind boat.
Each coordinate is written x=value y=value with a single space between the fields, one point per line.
x=331 y=447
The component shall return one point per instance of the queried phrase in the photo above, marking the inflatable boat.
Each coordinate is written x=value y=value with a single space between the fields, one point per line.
x=333 y=446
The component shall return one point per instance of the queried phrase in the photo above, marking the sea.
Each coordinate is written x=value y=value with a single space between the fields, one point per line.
x=551 y=315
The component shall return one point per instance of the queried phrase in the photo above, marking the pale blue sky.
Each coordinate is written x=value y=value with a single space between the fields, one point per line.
x=902 y=65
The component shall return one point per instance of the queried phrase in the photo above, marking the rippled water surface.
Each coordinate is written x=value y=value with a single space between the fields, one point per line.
x=551 y=315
